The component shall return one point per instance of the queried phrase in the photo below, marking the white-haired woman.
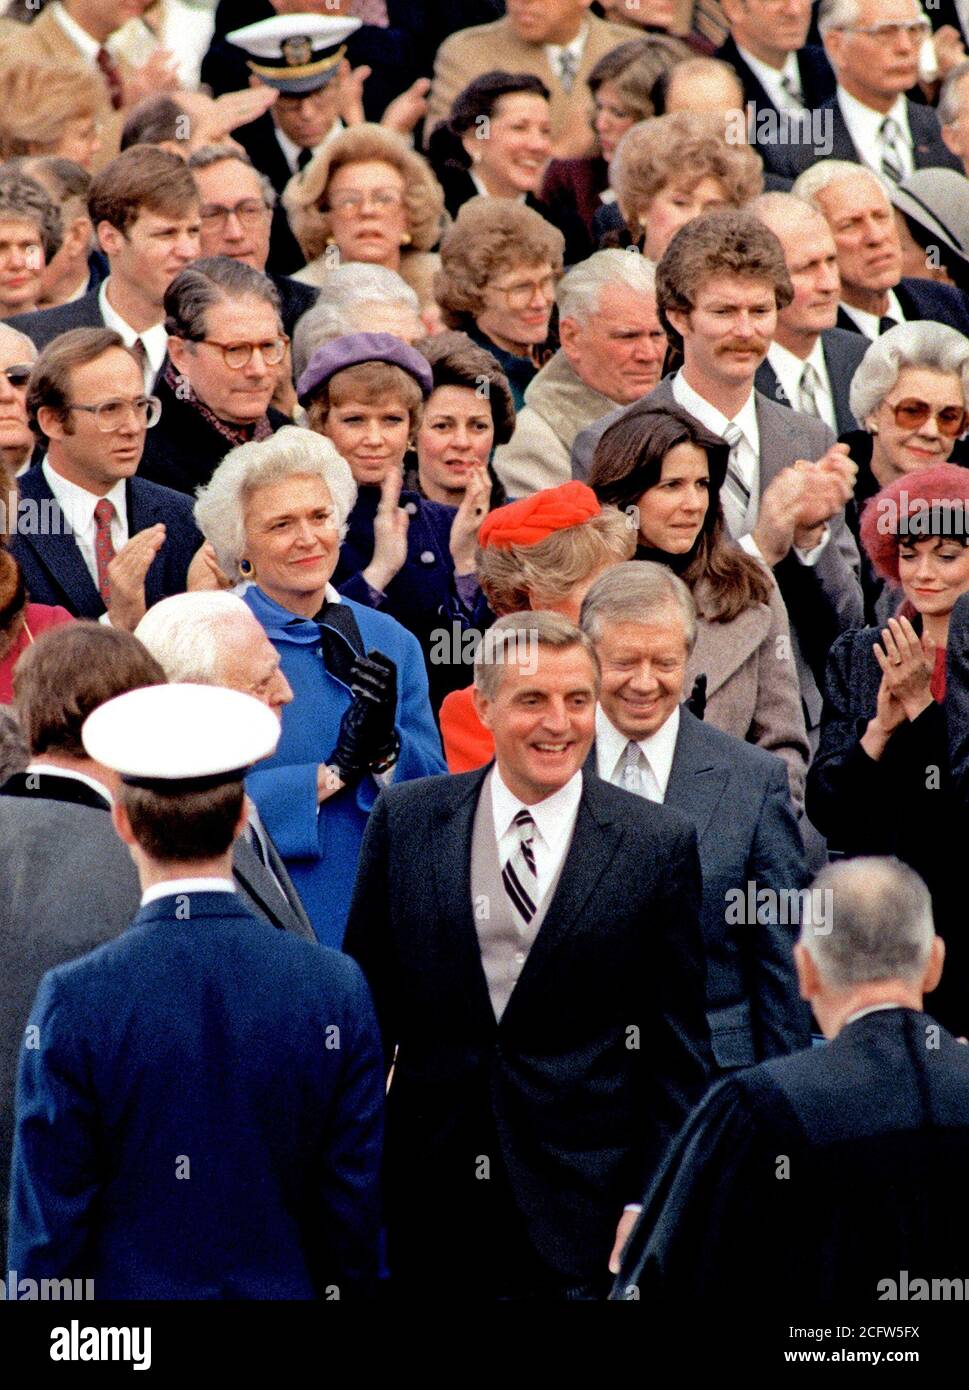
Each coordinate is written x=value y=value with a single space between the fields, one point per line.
x=275 y=512
x=910 y=392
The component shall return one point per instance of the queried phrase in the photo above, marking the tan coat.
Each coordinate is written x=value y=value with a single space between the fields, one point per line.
x=752 y=684
x=486 y=47
x=44 y=40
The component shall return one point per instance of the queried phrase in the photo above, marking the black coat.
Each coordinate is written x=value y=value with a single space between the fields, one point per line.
x=817 y=86
x=572 y=1116
x=928 y=152
x=924 y=299
x=42 y=326
x=842 y=353
x=815 y=1178
x=458 y=188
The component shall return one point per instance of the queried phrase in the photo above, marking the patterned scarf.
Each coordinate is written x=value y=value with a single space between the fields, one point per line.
x=235 y=434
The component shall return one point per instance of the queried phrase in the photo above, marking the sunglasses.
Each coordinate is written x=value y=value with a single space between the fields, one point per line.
x=18 y=375
x=911 y=414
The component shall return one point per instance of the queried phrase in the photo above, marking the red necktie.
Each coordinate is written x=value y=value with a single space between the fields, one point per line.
x=112 y=76
x=103 y=547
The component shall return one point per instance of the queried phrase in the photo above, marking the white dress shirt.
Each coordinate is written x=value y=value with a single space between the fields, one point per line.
x=788 y=368
x=50 y=770
x=77 y=505
x=864 y=127
x=658 y=750
x=90 y=48
x=154 y=338
x=746 y=458
x=180 y=886
x=554 y=825
x=870 y=324
x=770 y=79
x=292 y=151
x=554 y=51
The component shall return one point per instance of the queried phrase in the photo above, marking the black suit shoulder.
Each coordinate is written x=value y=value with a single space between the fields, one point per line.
x=44 y=325
x=714 y=743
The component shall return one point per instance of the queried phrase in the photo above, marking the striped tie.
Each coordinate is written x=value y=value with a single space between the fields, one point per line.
x=568 y=67
x=808 y=394
x=737 y=489
x=893 y=164
x=518 y=875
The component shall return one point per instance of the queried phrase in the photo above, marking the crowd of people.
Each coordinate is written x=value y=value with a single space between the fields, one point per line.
x=484 y=662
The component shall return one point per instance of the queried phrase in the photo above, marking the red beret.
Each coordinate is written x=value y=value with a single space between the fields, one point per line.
x=937 y=496
x=531 y=519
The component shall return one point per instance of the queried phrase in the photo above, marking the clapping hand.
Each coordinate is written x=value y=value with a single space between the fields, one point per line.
x=468 y=518
x=906 y=667
x=127 y=573
x=389 y=534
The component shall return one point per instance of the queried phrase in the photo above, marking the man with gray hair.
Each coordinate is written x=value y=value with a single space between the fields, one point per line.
x=359 y=298
x=612 y=353
x=642 y=620
x=17 y=443
x=827 y=1175
x=953 y=112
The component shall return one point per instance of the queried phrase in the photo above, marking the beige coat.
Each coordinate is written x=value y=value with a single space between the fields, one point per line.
x=752 y=684
x=557 y=405
x=486 y=47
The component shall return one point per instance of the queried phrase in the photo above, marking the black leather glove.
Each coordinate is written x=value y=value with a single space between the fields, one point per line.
x=367 y=737
x=374 y=677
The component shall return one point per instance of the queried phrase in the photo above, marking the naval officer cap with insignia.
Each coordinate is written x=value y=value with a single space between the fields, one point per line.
x=295 y=53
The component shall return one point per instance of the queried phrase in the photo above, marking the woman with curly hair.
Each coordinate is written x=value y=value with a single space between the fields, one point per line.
x=47 y=109
x=665 y=471
x=668 y=170
x=367 y=196
x=500 y=263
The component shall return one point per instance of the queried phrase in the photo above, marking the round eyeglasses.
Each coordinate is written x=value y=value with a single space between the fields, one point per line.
x=250 y=212
x=911 y=414
x=239 y=355
x=111 y=415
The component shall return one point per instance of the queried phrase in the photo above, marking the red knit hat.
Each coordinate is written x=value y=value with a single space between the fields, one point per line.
x=531 y=519
x=929 y=502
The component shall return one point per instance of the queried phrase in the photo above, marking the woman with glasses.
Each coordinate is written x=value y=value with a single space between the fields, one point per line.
x=500 y=263
x=226 y=347
x=910 y=392
x=367 y=196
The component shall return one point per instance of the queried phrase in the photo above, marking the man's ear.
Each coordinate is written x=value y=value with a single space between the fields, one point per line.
x=933 y=971
x=121 y=823
x=180 y=352
x=679 y=320
x=808 y=979
x=833 y=42
x=950 y=138
x=78 y=236
x=568 y=334
x=50 y=422
x=109 y=238
x=482 y=706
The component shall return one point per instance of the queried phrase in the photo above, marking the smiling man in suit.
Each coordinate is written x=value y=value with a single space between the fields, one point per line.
x=642 y=620
x=530 y=935
x=91 y=536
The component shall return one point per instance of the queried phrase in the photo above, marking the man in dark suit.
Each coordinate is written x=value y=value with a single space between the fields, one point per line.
x=103 y=1110
x=144 y=208
x=779 y=70
x=810 y=363
x=91 y=536
x=873 y=47
x=539 y=978
x=954 y=111
x=642 y=620
x=874 y=296
x=810 y=1172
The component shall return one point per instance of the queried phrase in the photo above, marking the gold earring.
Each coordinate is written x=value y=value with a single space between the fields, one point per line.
x=331 y=241
x=406 y=239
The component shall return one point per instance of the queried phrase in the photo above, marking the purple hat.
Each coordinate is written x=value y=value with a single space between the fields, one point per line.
x=354 y=348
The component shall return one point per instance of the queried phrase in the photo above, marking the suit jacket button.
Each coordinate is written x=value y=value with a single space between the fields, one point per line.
x=427 y=557
x=410 y=508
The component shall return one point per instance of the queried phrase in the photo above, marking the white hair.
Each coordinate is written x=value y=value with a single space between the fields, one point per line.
x=918 y=344
x=837 y=14
x=808 y=185
x=289 y=453
x=948 y=107
x=183 y=633
x=879 y=926
x=577 y=293
x=341 y=306
x=30 y=349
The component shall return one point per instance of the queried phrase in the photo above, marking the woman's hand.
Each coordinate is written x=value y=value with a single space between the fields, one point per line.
x=468 y=519
x=389 y=534
x=889 y=713
x=906 y=666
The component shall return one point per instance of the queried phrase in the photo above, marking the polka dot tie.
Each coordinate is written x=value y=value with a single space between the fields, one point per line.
x=103 y=547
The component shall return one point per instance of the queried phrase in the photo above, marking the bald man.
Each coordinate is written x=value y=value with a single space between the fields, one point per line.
x=17 y=356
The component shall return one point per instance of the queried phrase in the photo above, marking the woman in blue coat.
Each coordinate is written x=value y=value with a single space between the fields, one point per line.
x=360 y=718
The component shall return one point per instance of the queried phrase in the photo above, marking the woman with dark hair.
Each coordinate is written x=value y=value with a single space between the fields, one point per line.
x=880 y=781
x=665 y=471
x=497 y=142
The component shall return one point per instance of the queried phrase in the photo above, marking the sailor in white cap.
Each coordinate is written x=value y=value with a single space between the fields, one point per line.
x=200 y=1100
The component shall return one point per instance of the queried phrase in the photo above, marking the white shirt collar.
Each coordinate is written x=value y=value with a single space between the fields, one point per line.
x=292 y=151
x=788 y=368
x=154 y=338
x=49 y=770
x=480 y=188
x=864 y=126
x=873 y=1009
x=178 y=886
x=770 y=78
x=659 y=749
x=77 y=504
x=78 y=36
x=714 y=419
x=870 y=324
x=554 y=817
x=576 y=48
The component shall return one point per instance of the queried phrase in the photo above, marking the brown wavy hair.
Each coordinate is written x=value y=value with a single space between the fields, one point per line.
x=490 y=235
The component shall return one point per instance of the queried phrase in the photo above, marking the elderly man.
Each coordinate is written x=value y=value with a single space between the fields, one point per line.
x=954 y=113
x=199 y=1059
x=642 y=620
x=508 y=973
x=556 y=40
x=810 y=363
x=17 y=357
x=874 y=296
x=612 y=354
x=873 y=47
x=30 y=235
x=226 y=344
x=840 y=1171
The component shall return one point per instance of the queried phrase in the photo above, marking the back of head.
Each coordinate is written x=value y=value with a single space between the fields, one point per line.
x=183 y=633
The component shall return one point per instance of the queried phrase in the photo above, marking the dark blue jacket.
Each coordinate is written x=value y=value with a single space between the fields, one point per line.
x=202 y=1114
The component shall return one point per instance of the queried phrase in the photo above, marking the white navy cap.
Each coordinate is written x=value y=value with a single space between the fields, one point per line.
x=295 y=53
x=180 y=737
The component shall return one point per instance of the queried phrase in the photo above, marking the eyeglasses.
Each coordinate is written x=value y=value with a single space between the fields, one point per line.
x=913 y=29
x=238 y=355
x=19 y=375
x=911 y=414
x=250 y=212
x=521 y=294
x=355 y=198
x=111 y=415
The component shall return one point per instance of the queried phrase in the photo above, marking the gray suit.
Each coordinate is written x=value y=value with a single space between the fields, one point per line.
x=67 y=885
x=823 y=600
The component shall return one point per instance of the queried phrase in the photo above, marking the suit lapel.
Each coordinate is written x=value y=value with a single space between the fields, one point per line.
x=58 y=553
x=697 y=780
x=455 y=914
x=767 y=384
x=840 y=385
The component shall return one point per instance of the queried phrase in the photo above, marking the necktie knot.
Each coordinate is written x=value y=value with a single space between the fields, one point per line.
x=104 y=512
x=791 y=87
x=733 y=434
x=568 y=67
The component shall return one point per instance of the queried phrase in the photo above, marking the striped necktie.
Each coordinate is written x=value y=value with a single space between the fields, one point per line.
x=734 y=483
x=518 y=875
x=808 y=391
x=892 y=160
x=568 y=67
